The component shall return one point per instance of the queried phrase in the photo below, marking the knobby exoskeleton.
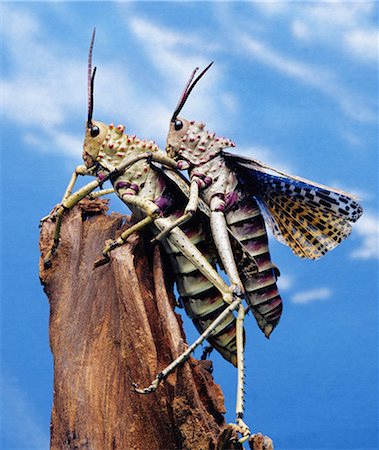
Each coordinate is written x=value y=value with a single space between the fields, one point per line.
x=243 y=195
x=156 y=195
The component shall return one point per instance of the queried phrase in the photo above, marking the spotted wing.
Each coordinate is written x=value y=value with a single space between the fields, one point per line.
x=310 y=218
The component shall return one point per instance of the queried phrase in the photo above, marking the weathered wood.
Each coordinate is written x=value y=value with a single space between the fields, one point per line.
x=113 y=326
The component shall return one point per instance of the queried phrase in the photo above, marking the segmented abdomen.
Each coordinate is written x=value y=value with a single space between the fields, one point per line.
x=247 y=224
x=201 y=300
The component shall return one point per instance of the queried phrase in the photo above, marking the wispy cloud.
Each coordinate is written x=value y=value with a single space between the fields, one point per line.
x=37 y=96
x=347 y=26
x=286 y=282
x=364 y=44
x=34 y=94
x=310 y=74
x=174 y=55
x=368 y=229
x=333 y=32
x=268 y=156
x=312 y=295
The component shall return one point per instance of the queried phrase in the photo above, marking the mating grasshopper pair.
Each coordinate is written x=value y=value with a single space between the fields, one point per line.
x=225 y=199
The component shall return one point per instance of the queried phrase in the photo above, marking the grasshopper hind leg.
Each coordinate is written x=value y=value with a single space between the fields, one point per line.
x=185 y=355
x=242 y=428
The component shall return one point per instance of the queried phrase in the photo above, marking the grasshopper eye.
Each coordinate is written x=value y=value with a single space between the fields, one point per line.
x=95 y=131
x=178 y=125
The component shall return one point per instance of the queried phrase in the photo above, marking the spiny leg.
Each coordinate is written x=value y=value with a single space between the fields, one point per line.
x=68 y=202
x=100 y=193
x=132 y=200
x=242 y=427
x=176 y=237
x=179 y=239
x=206 y=352
x=79 y=170
x=122 y=239
x=185 y=355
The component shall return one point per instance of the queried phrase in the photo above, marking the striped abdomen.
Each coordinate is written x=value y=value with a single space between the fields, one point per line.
x=201 y=300
x=246 y=222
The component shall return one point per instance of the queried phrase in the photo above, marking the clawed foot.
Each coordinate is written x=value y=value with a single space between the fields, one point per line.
x=44 y=219
x=52 y=216
x=237 y=291
x=153 y=386
x=105 y=260
x=206 y=352
x=242 y=429
x=101 y=262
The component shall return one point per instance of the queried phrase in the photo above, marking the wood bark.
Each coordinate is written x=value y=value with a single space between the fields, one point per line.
x=113 y=326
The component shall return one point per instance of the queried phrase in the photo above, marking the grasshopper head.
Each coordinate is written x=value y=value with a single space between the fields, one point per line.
x=96 y=132
x=177 y=132
x=180 y=129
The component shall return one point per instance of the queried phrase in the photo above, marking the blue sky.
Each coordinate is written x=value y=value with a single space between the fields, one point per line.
x=294 y=84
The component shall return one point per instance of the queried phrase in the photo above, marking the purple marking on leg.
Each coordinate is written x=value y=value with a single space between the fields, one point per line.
x=135 y=187
x=207 y=181
x=122 y=185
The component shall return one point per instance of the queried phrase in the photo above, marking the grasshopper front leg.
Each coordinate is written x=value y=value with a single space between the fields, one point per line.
x=175 y=236
x=122 y=240
x=100 y=193
x=152 y=211
x=68 y=202
x=79 y=170
x=188 y=212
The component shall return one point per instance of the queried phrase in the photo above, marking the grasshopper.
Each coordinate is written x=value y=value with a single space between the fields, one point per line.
x=241 y=193
x=156 y=195
x=310 y=218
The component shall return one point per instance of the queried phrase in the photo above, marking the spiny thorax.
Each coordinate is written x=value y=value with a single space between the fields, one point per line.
x=199 y=146
x=117 y=145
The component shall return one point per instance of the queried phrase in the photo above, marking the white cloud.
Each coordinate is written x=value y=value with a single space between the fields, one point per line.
x=265 y=155
x=300 y=30
x=343 y=14
x=347 y=25
x=363 y=44
x=45 y=93
x=175 y=55
x=285 y=282
x=367 y=228
x=312 y=295
x=271 y=7
x=312 y=75
x=35 y=95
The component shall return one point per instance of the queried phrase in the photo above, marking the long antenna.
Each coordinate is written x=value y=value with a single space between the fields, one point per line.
x=187 y=90
x=91 y=78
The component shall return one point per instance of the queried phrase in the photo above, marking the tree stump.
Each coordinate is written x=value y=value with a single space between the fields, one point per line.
x=113 y=326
